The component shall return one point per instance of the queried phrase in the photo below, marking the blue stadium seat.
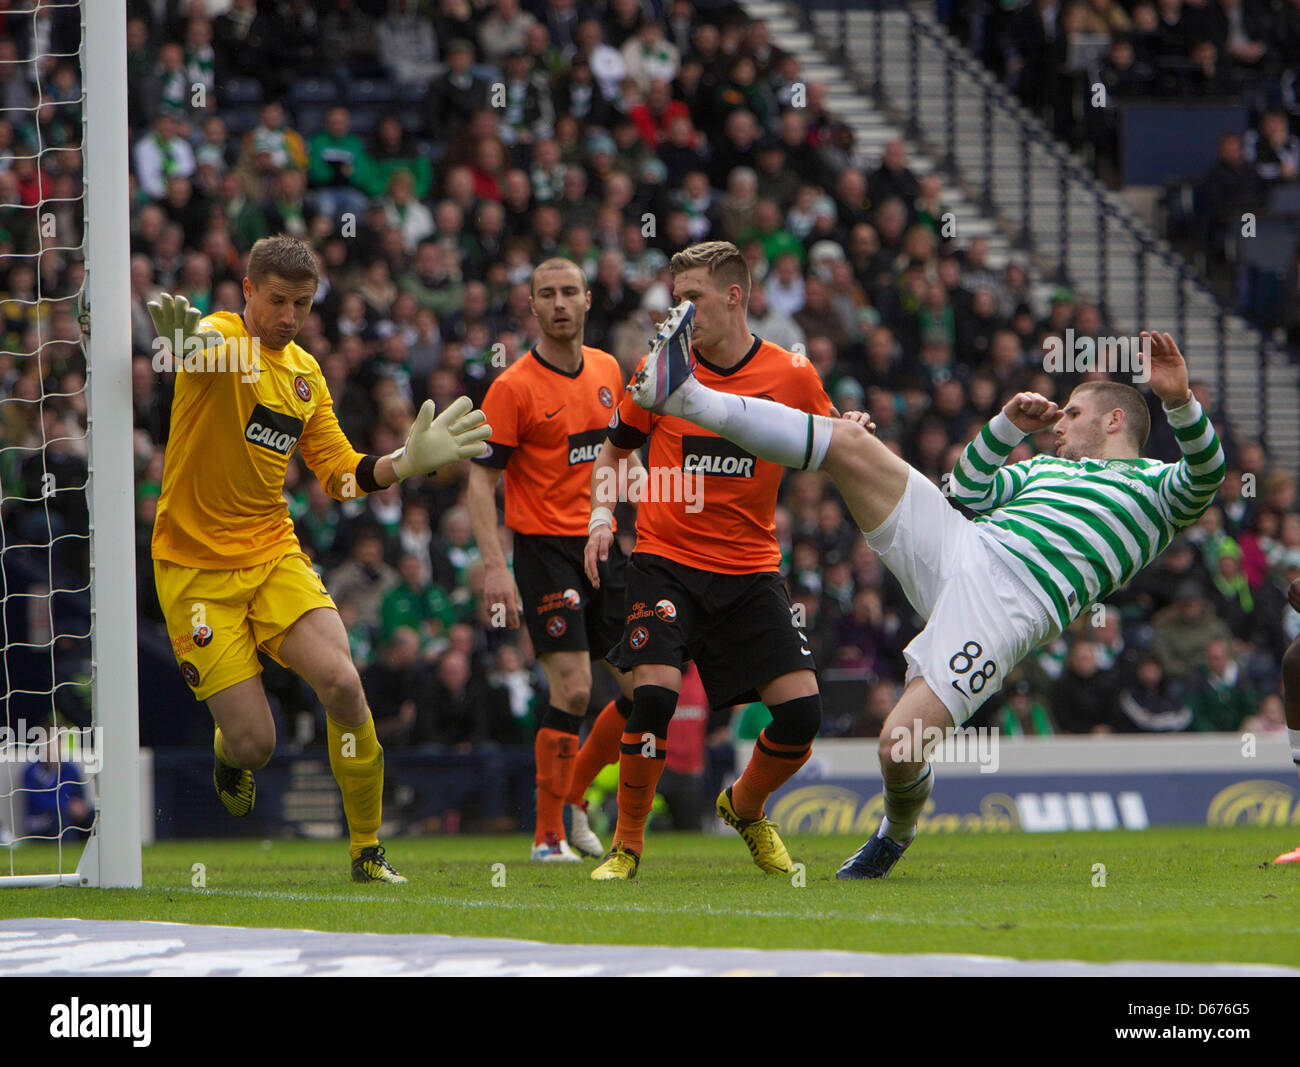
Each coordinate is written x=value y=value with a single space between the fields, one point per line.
x=411 y=95
x=1284 y=200
x=411 y=117
x=239 y=120
x=365 y=120
x=313 y=91
x=433 y=151
x=235 y=91
x=310 y=118
x=364 y=92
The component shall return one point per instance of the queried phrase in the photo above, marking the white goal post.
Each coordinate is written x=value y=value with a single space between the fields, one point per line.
x=112 y=854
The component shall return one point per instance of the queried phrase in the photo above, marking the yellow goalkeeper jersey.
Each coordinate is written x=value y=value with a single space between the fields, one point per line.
x=236 y=420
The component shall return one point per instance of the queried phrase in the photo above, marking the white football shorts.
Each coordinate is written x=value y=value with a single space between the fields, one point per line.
x=981 y=619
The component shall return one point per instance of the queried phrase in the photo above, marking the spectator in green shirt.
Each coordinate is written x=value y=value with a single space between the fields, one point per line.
x=1023 y=713
x=435 y=279
x=1224 y=695
x=393 y=152
x=423 y=607
x=338 y=166
x=771 y=234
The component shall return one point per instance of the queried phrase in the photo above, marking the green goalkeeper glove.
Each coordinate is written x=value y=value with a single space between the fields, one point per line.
x=177 y=322
x=458 y=433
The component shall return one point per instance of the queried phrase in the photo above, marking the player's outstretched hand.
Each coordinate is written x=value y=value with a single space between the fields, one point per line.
x=458 y=433
x=177 y=322
x=1168 y=370
x=597 y=552
x=1032 y=412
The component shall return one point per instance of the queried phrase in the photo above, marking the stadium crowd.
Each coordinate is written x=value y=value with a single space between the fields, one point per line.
x=1053 y=52
x=431 y=154
x=1243 y=53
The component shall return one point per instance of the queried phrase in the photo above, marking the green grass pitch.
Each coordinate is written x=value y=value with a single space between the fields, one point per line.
x=1193 y=894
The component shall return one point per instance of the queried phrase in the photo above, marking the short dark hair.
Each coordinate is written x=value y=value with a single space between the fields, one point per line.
x=1137 y=419
x=282 y=255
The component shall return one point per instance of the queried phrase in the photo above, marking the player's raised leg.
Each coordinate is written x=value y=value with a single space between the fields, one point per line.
x=909 y=779
x=243 y=743
x=870 y=477
x=316 y=648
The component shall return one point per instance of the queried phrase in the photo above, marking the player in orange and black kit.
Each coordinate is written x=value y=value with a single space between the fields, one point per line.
x=231 y=576
x=704 y=582
x=549 y=412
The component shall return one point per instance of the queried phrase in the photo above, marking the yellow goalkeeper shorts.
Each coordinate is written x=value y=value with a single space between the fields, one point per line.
x=217 y=620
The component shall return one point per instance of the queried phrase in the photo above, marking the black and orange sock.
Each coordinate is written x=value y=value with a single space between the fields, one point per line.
x=781 y=749
x=555 y=747
x=642 y=750
x=601 y=747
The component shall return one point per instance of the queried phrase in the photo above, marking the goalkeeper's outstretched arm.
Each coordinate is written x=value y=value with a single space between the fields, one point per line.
x=434 y=441
x=458 y=433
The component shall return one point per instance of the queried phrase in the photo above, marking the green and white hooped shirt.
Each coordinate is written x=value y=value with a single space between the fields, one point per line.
x=1076 y=530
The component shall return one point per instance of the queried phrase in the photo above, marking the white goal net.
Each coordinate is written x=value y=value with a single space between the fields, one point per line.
x=69 y=778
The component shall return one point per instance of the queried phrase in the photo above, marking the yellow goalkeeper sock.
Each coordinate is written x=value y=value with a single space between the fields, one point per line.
x=357 y=761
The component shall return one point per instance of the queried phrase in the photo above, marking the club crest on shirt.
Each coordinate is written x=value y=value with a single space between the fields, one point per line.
x=301 y=387
x=606 y=396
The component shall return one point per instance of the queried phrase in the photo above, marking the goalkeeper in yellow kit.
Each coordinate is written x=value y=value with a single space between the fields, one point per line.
x=231 y=576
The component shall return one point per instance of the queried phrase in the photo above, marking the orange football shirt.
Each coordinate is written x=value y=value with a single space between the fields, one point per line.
x=222 y=505
x=722 y=518
x=548 y=426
